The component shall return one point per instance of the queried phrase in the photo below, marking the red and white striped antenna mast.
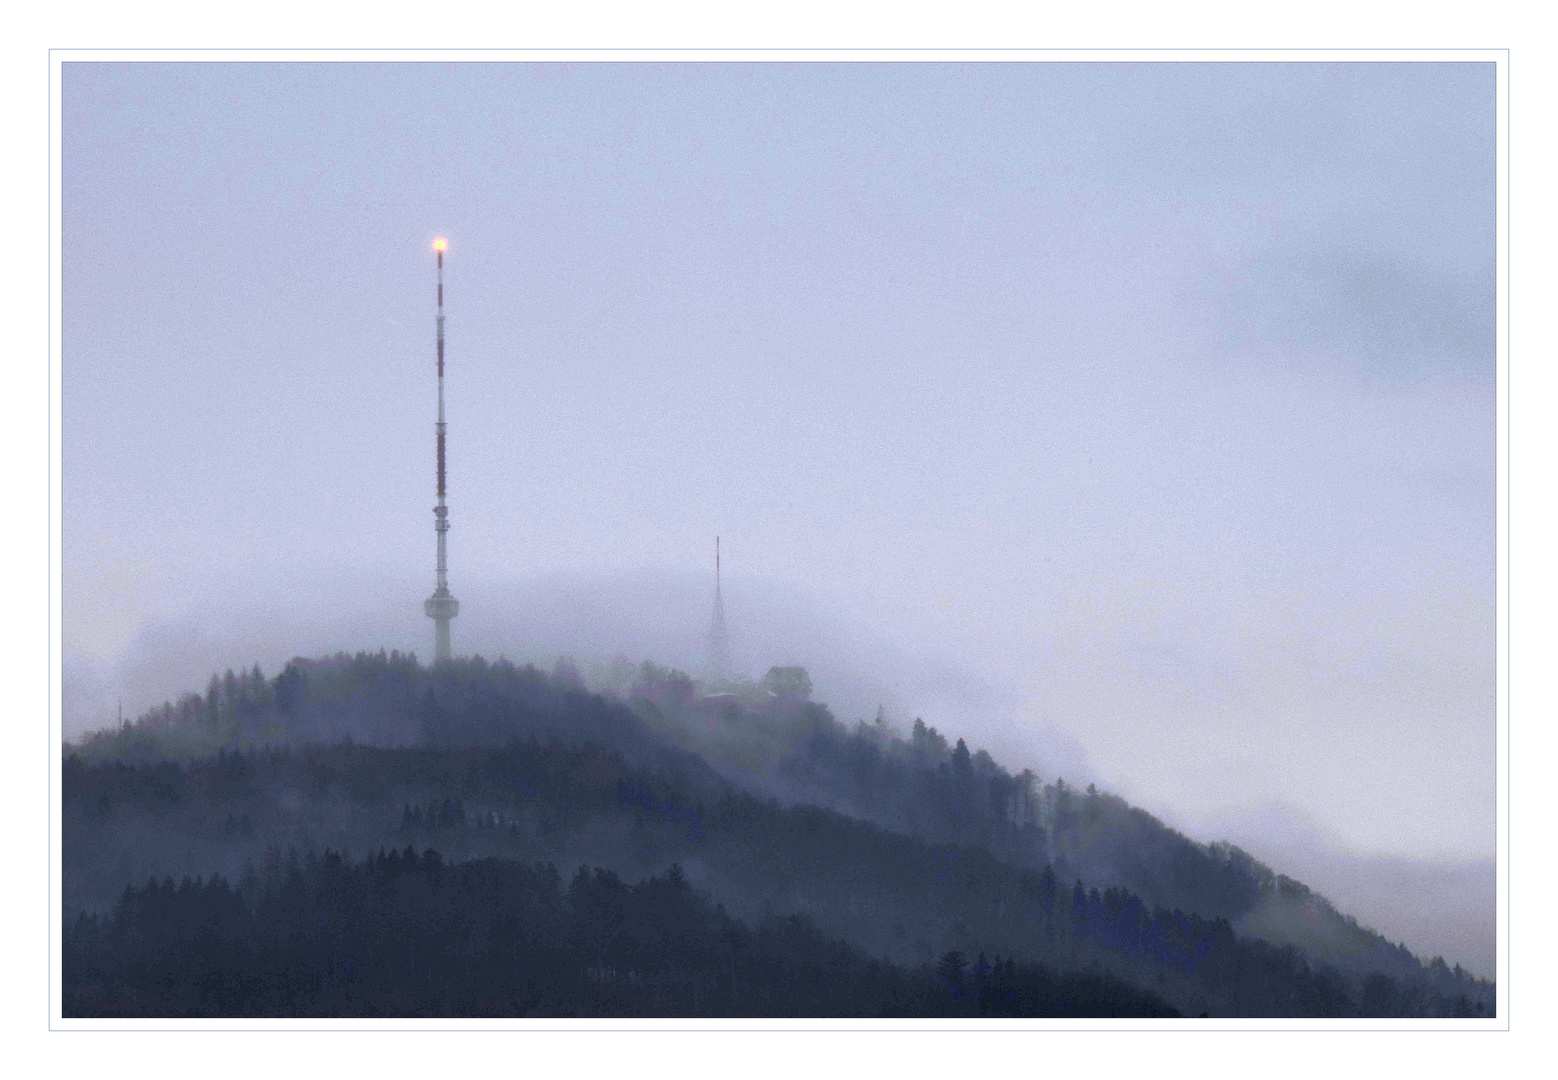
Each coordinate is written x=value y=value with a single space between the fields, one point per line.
x=441 y=607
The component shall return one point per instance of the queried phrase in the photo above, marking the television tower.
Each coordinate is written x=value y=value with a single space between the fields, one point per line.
x=441 y=607
x=718 y=642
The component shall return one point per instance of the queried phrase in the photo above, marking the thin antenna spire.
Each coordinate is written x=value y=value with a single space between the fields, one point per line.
x=719 y=645
x=441 y=607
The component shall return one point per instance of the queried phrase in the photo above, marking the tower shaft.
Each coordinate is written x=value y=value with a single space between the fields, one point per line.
x=441 y=606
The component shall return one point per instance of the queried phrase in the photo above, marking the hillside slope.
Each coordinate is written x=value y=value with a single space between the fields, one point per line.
x=908 y=849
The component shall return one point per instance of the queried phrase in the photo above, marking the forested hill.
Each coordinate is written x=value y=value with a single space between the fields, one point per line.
x=907 y=848
x=403 y=934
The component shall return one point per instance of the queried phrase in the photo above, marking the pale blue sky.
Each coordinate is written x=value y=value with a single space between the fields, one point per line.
x=1151 y=403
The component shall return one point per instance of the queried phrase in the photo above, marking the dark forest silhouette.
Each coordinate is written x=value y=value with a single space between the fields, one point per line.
x=845 y=871
x=401 y=934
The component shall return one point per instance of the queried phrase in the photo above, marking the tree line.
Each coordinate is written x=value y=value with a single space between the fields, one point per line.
x=889 y=894
x=407 y=934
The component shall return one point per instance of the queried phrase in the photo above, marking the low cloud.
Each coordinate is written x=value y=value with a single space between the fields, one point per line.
x=1392 y=318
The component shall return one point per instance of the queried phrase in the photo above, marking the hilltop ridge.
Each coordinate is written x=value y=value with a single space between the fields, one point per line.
x=909 y=847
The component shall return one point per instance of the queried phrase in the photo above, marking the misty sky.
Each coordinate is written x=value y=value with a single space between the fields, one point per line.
x=1136 y=418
